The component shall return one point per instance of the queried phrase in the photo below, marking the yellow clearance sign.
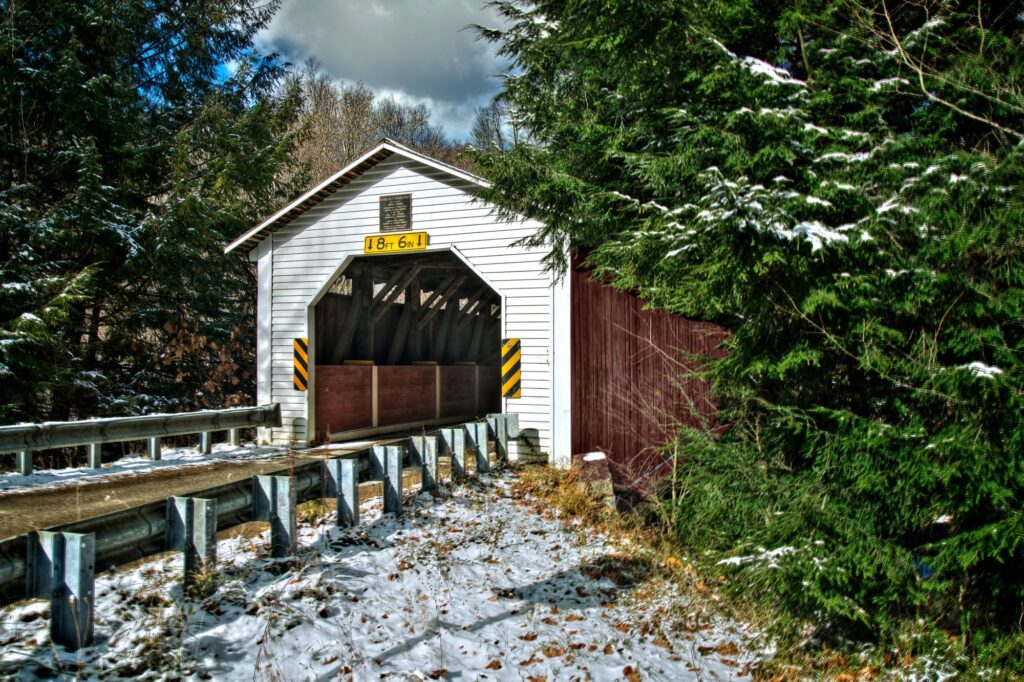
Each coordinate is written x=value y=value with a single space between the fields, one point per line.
x=389 y=243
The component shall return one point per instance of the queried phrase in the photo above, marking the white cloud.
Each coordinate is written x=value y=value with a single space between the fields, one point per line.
x=416 y=50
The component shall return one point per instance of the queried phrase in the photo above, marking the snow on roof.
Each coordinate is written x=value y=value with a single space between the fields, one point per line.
x=382 y=150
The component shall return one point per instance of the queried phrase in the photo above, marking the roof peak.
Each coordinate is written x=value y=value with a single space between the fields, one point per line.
x=368 y=159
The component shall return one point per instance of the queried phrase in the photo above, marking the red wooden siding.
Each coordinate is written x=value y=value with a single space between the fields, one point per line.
x=630 y=388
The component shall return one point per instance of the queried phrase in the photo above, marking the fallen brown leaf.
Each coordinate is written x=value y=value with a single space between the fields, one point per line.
x=727 y=648
x=494 y=665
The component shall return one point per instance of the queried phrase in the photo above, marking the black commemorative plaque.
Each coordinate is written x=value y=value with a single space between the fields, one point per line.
x=395 y=212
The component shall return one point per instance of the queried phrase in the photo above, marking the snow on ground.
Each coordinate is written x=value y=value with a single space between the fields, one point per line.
x=471 y=585
x=134 y=464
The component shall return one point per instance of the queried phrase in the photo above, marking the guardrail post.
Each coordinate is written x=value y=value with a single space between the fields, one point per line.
x=476 y=440
x=234 y=437
x=343 y=483
x=206 y=442
x=498 y=429
x=428 y=477
x=377 y=455
x=512 y=430
x=62 y=566
x=512 y=426
x=24 y=458
x=393 y=480
x=274 y=500
x=192 y=529
x=153 y=447
x=95 y=456
x=415 y=450
x=453 y=442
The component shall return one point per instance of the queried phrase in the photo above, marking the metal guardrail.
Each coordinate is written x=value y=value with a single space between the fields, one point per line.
x=34 y=564
x=22 y=439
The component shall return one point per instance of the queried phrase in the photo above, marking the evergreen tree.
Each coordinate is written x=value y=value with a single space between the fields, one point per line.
x=131 y=154
x=839 y=184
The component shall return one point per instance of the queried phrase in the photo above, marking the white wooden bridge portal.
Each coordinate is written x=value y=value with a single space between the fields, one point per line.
x=400 y=285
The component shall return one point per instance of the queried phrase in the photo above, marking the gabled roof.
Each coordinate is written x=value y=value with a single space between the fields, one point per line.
x=383 y=150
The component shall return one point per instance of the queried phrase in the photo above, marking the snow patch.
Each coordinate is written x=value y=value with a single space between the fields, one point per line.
x=980 y=369
x=594 y=457
x=774 y=74
x=474 y=584
x=765 y=556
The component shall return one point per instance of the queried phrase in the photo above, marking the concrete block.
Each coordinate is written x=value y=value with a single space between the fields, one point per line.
x=453 y=443
x=62 y=566
x=429 y=476
x=343 y=483
x=274 y=500
x=393 y=479
x=192 y=529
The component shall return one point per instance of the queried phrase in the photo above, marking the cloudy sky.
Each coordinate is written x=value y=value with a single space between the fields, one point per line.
x=416 y=50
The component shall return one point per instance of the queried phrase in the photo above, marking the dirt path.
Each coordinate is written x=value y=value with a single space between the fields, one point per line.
x=31 y=509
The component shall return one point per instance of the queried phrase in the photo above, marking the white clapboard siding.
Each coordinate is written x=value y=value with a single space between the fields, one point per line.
x=308 y=251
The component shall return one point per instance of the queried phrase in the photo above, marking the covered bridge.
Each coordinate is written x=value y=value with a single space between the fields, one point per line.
x=390 y=297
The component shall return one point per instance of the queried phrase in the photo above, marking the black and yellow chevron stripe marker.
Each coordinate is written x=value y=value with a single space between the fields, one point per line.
x=511 y=369
x=301 y=377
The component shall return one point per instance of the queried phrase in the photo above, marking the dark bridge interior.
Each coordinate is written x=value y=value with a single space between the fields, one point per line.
x=404 y=340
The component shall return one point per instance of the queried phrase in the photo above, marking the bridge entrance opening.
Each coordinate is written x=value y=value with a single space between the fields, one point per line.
x=404 y=341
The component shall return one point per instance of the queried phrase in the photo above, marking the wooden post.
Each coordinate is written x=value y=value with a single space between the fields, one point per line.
x=447 y=319
x=343 y=346
x=402 y=333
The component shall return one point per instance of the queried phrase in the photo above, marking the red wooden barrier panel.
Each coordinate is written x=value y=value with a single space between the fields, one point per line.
x=405 y=394
x=458 y=391
x=343 y=398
